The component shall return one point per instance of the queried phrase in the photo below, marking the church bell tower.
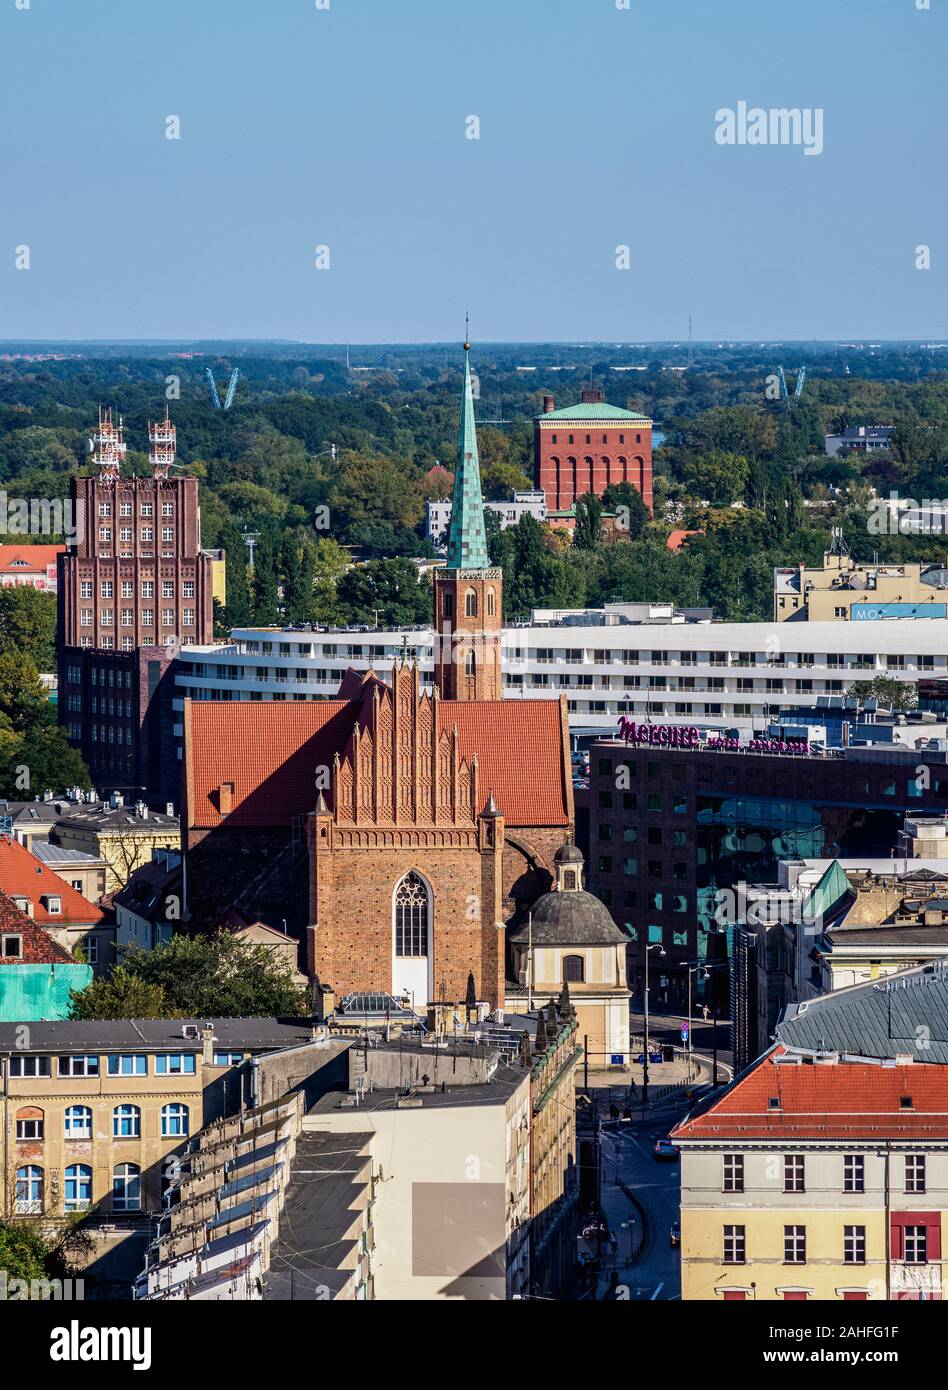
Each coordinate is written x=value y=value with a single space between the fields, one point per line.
x=468 y=593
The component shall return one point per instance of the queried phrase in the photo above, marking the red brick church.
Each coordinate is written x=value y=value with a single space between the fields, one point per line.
x=395 y=829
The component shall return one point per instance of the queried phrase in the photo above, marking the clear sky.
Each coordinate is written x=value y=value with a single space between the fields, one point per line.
x=346 y=127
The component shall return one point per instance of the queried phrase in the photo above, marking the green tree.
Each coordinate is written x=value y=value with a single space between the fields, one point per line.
x=28 y=624
x=265 y=596
x=121 y=994
x=588 y=530
x=238 y=611
x=893 y=694
x=719 y=476
x=389 y=588
x=197 y=977
x=632 y=513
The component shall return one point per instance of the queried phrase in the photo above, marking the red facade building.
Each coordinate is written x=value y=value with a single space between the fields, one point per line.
x=586 y=447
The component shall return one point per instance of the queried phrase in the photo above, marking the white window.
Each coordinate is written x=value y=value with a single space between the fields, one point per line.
x=128 y=588
x=11 y=946
x=127 y=1187
x=175 y=1064
x=105 y=509
x=148 y=588
x=29 y=1066
x=174 y=1121
x=735 y=1245
x=148 y=617
x=105 y=533
x=148 y=533
x=128 y=617
x=126 y=534
x=147 y=509
x=85 y=617
x=106 y=588
x=126 y=1122
x=29 y=1191
x=167 y=509
x=79 y=1066
x=188 y=588
x=78 y=1187
x=106 y=617
x=85 y=589
x=916 y=1245
x=30 y=1127
x=78 y=1122
x=854 y=1245
x=127 y=644
x=167 y=588
x=794 y=1245
x=189 y=617
x=915 y=1172
x=125 y=509
x=167 y=534
x=167 y=617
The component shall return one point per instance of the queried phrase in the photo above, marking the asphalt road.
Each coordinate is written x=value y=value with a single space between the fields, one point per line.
x=627 y=1155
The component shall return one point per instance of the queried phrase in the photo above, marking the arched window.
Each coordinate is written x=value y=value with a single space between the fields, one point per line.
x=78 y=1122
x=126 y=1122
x=491 y=603
x=569 y=878
x=29 y=1123
x=574 y=969
x=470 y=604
x=469 y=662
x=127 y=1187
x=411 y=916
x=78 y=1187
x=174 y=1121
x=29 y=1191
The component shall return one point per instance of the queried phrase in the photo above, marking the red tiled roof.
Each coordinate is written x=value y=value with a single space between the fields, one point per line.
x=37 y=557
x=270 y=750
x=676 y=539
x=22 y=875
x=37 y=946
x=842 y=1100
x=520 y=754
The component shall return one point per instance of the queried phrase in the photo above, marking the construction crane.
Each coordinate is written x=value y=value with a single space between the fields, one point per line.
x=231 y=388
x=798 y=390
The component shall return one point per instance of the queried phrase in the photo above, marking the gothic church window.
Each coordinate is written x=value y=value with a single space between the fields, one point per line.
x=411 y=917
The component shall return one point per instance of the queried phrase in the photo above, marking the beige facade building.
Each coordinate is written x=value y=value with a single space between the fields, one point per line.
x=841 y=590
x=570 y=939
x=822 y=1172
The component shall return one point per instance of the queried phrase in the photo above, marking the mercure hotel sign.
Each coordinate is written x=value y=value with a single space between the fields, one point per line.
x=687 y=736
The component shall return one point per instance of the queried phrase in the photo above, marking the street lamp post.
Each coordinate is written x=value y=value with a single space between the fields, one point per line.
x=692 y=970
x=661 y=952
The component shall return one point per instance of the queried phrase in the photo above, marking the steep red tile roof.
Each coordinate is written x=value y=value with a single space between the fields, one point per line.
x=520 y=753
x=843 y=1100
x=36 y=558
x=37 y=946
x=269 y=751
x=22 y=875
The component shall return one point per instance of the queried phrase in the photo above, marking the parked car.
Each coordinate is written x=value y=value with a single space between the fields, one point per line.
x=674 y=1234
x=664 y=1149
x=592 y=1229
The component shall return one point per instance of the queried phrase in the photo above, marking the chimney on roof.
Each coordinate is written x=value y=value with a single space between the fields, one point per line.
x=549 y=404
x=225 y=798
x=592 y=395
x=207 y=1044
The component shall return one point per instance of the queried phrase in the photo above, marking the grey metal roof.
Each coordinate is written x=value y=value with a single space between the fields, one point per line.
x=904 y=1015
x=56 y=854
x=569 y=918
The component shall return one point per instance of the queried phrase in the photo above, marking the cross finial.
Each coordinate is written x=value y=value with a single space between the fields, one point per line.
x=467 y=331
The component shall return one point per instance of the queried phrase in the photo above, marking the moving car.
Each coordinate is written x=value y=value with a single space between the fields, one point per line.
x=664 y=1149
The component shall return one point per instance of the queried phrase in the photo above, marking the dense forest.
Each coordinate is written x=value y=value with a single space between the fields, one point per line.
x=330 y=463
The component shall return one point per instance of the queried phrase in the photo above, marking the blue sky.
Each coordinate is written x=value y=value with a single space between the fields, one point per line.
x=346 y=127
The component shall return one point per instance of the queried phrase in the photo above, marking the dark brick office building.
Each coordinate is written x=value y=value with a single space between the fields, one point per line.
x=135 y=586
x=670 y=826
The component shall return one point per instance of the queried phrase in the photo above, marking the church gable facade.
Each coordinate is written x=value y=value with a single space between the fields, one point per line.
x=406 y=867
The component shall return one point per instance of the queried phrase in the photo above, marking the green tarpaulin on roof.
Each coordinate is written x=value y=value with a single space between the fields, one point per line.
x=39 y=991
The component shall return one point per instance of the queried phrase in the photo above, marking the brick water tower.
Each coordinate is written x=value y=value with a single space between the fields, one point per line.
x=586 y=447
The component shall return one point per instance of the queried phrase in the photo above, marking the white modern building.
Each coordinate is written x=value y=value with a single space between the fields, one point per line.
x=438 y=514
x=648 y=662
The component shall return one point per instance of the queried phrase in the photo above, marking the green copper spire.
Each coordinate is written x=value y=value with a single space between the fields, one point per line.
x=467 y=540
